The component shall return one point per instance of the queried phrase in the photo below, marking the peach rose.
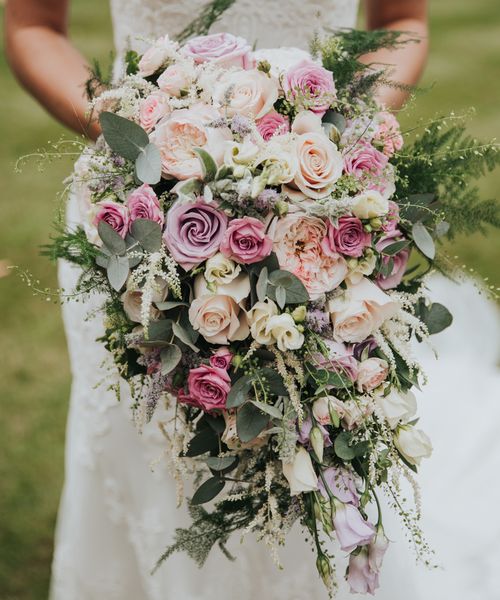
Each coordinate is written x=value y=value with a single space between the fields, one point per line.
x=320 y=165
x=175 y=79
x=307 y=122
x=249 y=93
x=157 y=55
x=297 y=244
x=152 y=109
x=183 y=131
x=360 y=311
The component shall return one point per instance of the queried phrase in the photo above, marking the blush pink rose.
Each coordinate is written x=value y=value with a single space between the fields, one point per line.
x=208 y=388
x=185 y=129
x=372 y=372
x=156 y=56
x=245 y=241
x=311 y=85
x=297 y=244
x=364 y=161
x=221 y=358
x=143 y=203
x=223 y=49
x=399 y=261
x=348 y=237
x=389 y=133
x=175 y=79
x=273 y=124
x=320 y=165
x=114 y=214
x=248 y=93
x=152 y=109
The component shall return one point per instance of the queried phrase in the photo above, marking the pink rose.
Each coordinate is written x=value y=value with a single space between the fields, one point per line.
x=273 y=124
x=390 y=226
x=194 y=232
x=143 y=203
x=389 y=133
x=247 y=93
x=208 y=388
x=245 y=241
x=372 y=372
x=114 y=214
x=156 y=56
x=183 y=131
x=320 y=165
x=311 y=85
x=348 y=237
x=174 y=80
x=152 y=109
x=399 y=261
x=223 y=49
x=361 y=578
x=297 y=243
x=351 y=529
x=221 y=358
x=365 y=162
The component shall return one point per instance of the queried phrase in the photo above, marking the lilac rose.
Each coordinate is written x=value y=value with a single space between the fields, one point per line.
x=311 y=84
x=400 y=260
x=143 y=203
x=348 y=237
x=194 y=232
x=224 y=49
x=114 y=214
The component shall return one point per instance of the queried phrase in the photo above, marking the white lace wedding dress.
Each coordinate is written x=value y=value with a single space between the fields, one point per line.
x=118 y=511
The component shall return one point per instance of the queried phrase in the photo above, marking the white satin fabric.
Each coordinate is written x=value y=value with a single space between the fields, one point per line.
x=118 y=511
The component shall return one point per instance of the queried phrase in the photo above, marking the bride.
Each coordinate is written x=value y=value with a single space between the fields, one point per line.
x=118 y=510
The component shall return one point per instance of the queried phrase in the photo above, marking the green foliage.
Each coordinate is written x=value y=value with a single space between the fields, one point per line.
x=72 y=246
x=207 y=17
x=99 y=78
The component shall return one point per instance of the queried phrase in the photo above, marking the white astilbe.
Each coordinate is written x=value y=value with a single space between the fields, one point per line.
x=289 y=382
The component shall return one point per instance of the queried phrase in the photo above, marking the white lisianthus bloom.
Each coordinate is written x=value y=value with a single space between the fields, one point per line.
x=370 y=204
x=284 y=330
x=238 y=288
x=397 y=407
x=280 y=164
x=323 y=407
x=258 y=318
x=359 y=267
x=413 y=444
x=244 y=153
x=220 y=270
x=132 y=299
x=300 y=473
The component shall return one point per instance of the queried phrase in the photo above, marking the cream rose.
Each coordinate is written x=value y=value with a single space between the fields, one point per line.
x=157 y=55
x=258 y=317
x=283 y=329
x=249 y=93
x=397 y=407
x=413 y=444
x=132 y=300
x=220 y=270
x=307 y=122
x=300 y=473
x=370 y=204
x=319 y=165
x=372 y=372
x=360 y=311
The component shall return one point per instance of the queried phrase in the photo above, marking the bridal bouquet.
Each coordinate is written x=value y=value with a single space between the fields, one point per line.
x=250 y=218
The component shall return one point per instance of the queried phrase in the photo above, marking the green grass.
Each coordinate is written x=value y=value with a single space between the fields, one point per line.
x=34 y=378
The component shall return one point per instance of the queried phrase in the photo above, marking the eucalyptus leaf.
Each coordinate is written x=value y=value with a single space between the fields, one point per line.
x=113 y=241
x=184 y=336
x=124 y=137
x=423 y=240
x=342 y=446
x=147 y=233
x=191 y=187
x=217 y=423
x=238 y=393
x=250 y=421
x=221 y=463
x=208 y=164
x=102 y=259
x=170 y=357
x=396 y=247
x=208 y=490
x=160 y=330
x=274 y=382
x=204 y=441
x=268 y=409
x=438 y=318
x=117 y=271
x=281 y=296
x=296 y=293
x=261 y=286
x=148 y=165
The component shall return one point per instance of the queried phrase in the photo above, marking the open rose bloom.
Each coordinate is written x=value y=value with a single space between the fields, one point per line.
x=252 y=236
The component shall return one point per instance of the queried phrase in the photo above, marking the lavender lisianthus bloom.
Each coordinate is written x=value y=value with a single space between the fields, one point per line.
x=341 y=484
x=305 y=433
x=351 y=529
x=194 y=232
x=340 y=360
x=358 y=349
x=360 y=577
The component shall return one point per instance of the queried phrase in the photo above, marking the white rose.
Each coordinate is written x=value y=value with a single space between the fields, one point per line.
x=397 y=406
x=220 y=270
x=354 y=412
x=281 y=59
x=413 y=444
x=238 y=289
x=370 y=204
x=372 y=372
x=307 y=122
x=284 y=330
x=258 y=317
x=248 y=93
x=360 y=312
x=132 y=300
x=300 y=473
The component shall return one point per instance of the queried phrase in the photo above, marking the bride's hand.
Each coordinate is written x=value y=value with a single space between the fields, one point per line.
x=46 y=63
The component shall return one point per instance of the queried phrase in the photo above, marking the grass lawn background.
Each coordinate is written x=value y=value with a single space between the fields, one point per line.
x=34 y=377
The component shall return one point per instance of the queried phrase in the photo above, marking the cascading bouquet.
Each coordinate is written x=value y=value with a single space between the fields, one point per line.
x=249 y=217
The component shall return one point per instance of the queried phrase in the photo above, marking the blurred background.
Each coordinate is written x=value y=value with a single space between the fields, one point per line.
x=463 y=72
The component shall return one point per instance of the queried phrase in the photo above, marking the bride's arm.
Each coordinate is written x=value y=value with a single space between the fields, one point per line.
x=45 y=62
x=407 y=62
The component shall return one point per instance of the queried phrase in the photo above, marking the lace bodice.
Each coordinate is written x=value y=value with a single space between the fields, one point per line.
x=267 y=23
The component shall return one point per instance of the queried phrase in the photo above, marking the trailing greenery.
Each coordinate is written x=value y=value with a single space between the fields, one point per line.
x=72 y=246
x=207 y=17
x=99 y=78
